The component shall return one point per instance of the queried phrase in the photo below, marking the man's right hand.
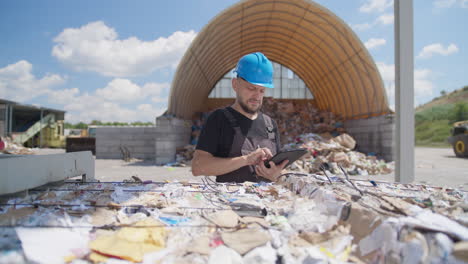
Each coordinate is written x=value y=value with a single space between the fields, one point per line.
x=257 y=156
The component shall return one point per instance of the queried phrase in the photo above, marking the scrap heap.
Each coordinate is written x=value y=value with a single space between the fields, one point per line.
x=7 y=146
x=337 y=152
x=184 y=155
x=295 y=119
x=301 y=125
x=302 y=219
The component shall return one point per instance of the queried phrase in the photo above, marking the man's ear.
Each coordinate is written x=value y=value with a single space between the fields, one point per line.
x=235 y=83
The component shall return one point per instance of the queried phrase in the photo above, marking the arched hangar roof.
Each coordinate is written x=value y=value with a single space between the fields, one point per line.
x=300 y=34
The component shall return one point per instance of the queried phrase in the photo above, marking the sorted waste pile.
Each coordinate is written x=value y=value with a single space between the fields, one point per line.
x=336 y=152
x=301 y=125
x=304 y=218
x=184 y=155
x=295 y=119
x=7 y=146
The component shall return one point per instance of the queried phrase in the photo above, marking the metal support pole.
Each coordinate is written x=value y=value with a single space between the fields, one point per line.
x=10 y=120
x=6 y=115
x=404 y=90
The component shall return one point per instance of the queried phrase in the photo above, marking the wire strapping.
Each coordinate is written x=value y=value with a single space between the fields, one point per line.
x=107 y=190
x=322 y=167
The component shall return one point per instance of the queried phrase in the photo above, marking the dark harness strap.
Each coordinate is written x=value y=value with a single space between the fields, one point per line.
x=231 y=118
x=269 y=126
x=242 y=144
x=268 y=123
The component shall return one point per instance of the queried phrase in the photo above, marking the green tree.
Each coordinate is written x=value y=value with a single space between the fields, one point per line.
x=460 y=112
x=95 y=123
x=139 y=123
x=68 y=125
x=81 y=125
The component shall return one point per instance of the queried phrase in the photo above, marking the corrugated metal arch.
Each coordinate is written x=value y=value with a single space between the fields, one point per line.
x=301 y=35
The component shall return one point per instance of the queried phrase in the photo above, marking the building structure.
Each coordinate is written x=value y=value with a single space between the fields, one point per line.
x=33 y=126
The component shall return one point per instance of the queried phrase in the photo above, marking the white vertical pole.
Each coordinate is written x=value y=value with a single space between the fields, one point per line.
x=404 y=91
x=10 y=120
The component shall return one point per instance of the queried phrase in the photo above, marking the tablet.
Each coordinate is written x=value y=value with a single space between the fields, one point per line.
x=291 y=155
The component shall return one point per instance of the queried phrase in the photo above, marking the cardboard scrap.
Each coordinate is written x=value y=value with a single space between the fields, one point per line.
x=346 y=141
x=460 y=250
x=245 y=240
x=200 y=245
x=131 y=243
x=13 y=215
x=250 y=219
x=224 y=218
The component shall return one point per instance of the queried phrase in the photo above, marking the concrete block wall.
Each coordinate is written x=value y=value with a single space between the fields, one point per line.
x=171 y=133
x=375 y=134
x=138 y=140
x=158 y=143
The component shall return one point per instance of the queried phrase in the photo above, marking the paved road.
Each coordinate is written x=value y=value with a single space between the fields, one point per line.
x=440 y=166
x=437 y=167
x=434 y=166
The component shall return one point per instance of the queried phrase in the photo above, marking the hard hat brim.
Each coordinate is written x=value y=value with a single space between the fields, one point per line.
x=267 y=85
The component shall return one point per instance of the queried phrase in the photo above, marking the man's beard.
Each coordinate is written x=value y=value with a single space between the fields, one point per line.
x=246 y=108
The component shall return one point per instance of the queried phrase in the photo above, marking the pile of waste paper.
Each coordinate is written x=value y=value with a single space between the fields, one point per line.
x=7 y=146
x=338 y=153
x=297 y=118
x=304 y=218
x=184 y=155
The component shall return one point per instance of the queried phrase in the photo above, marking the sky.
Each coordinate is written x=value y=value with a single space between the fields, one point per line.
x=114 y=60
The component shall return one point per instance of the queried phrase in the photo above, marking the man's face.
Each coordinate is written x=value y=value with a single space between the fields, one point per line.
x=249 y=96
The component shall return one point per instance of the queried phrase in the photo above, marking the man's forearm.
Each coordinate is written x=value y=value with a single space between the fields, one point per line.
x=214 y=166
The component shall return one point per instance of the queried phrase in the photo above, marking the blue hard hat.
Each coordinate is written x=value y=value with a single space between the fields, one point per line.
x=256 y=68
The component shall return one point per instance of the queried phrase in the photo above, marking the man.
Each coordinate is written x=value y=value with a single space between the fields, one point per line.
x=236 y=140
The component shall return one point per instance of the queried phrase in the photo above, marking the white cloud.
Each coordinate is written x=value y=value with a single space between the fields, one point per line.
x=95 y=108
x=450 y=3
x=149 y=112
x=121 y=100
x=95 y=47
x=65 y=95
x=123 y=90
x=386 y=19
x=120 y=90
x=362 y=27
x=159 y=99
x=17 y=82
x=387 y=71
x=373 y=43
x=423 y=85
x=376 y=6
x=155 y=89
x=437 y=48
x=444 y=3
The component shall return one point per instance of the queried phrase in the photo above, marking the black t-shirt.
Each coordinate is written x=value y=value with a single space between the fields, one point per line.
x=217 y=133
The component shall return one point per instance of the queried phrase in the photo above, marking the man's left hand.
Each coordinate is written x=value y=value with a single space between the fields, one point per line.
x=271 y=173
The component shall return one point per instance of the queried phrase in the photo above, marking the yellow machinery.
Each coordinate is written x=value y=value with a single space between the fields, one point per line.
x=52 y=136
x=459 y=138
